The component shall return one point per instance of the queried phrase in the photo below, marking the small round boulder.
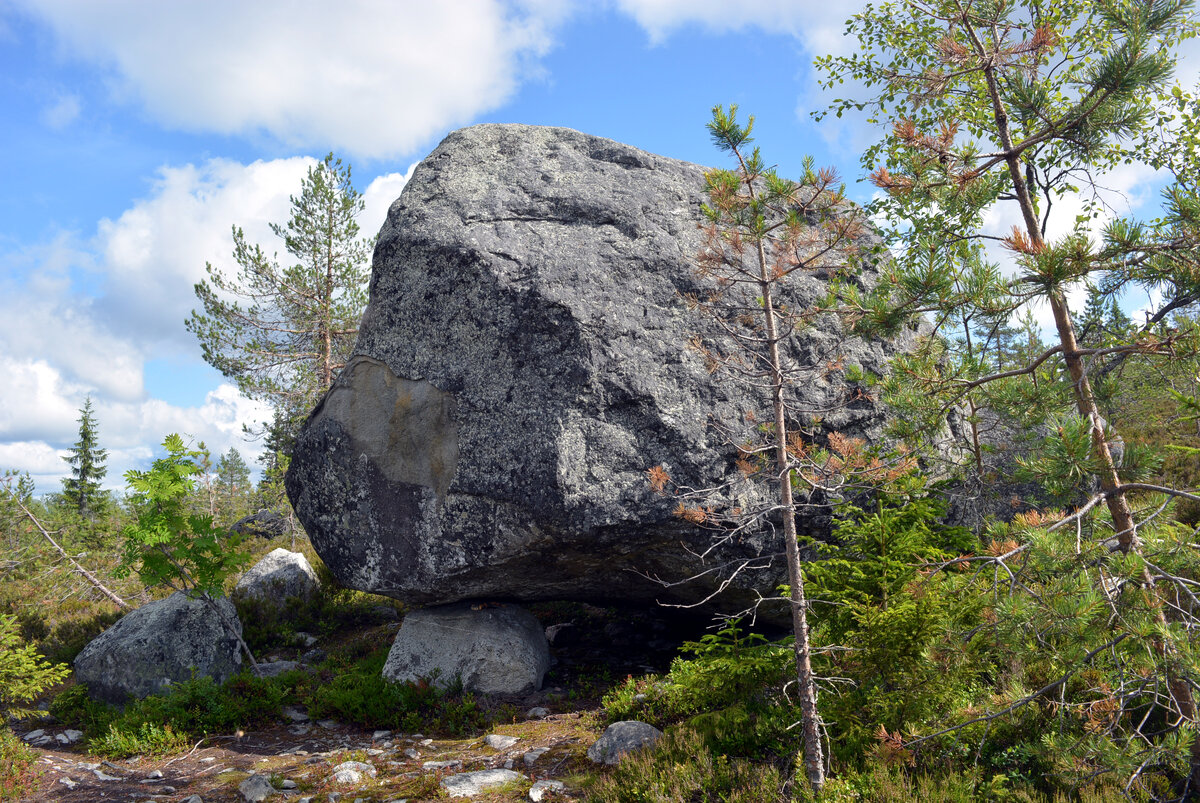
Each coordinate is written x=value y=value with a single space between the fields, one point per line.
x=493 y=648
x=278 y=578
x=620 y=738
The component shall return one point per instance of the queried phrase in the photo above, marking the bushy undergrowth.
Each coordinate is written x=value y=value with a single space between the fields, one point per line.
x=18 y=770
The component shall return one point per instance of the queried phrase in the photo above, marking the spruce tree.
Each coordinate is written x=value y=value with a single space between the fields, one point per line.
x=81 y=491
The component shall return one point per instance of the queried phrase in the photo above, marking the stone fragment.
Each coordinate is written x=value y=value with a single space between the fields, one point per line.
x=469 y=784
x=620 y=738
x=34 y=735
x=494 y=650
x=69 y=736
x=498 y=741
x=537 y=712
x=352 y=772
x=273 y=669
x=160 y=643
x=530 y=758
x=542 y=788
x=295 y=713
x=256 y=789
x=264 y=524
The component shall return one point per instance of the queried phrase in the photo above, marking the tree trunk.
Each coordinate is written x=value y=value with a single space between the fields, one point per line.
x=814 y=762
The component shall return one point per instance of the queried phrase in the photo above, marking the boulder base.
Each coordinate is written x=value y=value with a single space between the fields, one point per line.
x=161 y=643
x=494 y=650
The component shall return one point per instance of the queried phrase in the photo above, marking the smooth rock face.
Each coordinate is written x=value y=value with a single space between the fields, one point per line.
x=523 y=361
x=160 y=644
x=495 y=650
x=620 y=738
x=278 y=578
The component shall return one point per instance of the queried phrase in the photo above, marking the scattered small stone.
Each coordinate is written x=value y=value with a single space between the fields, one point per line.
x=327 y=724
x=295 y=713
x=300 y=729
x=67 y=782
x=508 y=765
x=33 y=735
x=620 y=738
x=168 y=790
x=307 y=639
x=469 y=784
x=533 y=755
x=314 y=656
x=374 y=751
x=208 y=759
x=497 y=741
x=537 y=713
x=273 y=669
x=378 y=735
x=69 y=736
x=441 y=765
x=352 y=772
x=288 y=784
x=540 y=789
x=193 y=799
x=408 y=751
x=154 y=775
x=256 y=788
x=104 y=776
x=425 y=742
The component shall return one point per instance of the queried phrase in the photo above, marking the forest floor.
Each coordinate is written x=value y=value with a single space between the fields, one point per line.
x=299 y=756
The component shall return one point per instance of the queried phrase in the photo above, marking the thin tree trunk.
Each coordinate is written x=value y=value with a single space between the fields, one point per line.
x=814 y=762
x=87 y=575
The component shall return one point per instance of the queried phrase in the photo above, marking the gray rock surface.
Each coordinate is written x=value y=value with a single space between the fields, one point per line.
x=620 y=738
x=158 y=644
x=523 y=361
x=278 y=579
x=540 y=789
x=352 y=772
x=264 y=524
x=256 y=788
x=470 y=784
x=494 y=649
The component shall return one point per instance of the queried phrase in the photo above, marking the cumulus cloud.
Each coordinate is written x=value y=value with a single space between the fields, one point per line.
x=81 y=316
x=367 y=78
x=818 y=26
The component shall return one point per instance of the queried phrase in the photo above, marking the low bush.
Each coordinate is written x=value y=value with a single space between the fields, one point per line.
x=18 y=771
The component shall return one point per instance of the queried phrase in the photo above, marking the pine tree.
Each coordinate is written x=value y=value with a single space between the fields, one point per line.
x=282 y=332
x=81 y=491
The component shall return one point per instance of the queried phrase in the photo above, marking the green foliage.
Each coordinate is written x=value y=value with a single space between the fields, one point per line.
x=147 y=739
x=168 y=545
x=23 y=673
x=682 y=767
x=362 y=695
x=231 y=487
x=81 y=490
x=18 y=767
x=282 y=331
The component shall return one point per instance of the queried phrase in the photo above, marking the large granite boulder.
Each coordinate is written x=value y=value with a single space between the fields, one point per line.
x=161 y=643
x=523 y=361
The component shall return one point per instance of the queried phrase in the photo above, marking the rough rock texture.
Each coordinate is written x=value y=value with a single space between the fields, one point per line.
x=159 y=644
x=495 y=650
x=264 y=524
x=620 y=738
x=278 y=578
x=470 y=784
x=523 y=361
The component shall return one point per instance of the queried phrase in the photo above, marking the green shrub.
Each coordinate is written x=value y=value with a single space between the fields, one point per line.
x=681 y=768
x=148 y=739
x=23 y=673
x=361 y=695
x=18 y=771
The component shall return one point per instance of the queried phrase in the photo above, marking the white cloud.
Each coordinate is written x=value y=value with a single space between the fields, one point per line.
x=817 y=25
x=367 y=78
x=82 y=317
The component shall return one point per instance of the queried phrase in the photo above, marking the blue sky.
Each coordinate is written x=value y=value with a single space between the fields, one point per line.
x=137 y=132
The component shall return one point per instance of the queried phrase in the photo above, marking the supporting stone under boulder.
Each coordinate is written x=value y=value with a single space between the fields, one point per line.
x=158 y=644
x=523 y=362
x=494 y=648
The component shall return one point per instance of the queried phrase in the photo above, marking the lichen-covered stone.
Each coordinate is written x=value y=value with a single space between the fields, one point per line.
x=280 y=578
x=620 y=738
x=523 y=361
x=161 y=643
x=493 y=649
